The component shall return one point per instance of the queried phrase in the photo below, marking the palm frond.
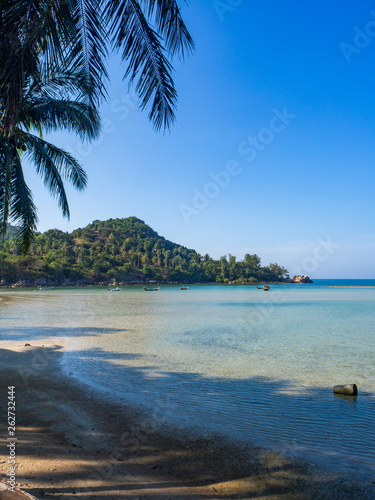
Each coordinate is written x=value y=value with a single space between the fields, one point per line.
x=23 y=210
x=53 y=163
x=38 y=37
x=60 y=82
x=6 y=160
x=147 y=64
x=46 y=26
x=47 y=169
x=170 y=26
x=14 y=66
x=61 y=114
x=24 y=30
x=89 y=49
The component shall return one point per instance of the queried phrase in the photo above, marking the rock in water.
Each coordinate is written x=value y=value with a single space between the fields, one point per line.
x=301 y=278
x=347 y=390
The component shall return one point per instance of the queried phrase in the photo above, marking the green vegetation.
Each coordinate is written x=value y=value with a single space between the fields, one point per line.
x=42 y=109
x=123 y=250
x=53 y=77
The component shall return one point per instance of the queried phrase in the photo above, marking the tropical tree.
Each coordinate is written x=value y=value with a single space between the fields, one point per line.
x=279 y=272
x=37 y=38
x=46 y=106
x=80 y=33
x=251 y=265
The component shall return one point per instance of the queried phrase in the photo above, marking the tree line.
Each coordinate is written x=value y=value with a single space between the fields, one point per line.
x=123 y=250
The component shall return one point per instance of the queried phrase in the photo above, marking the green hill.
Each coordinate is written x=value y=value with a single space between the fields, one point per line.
x=122 y=251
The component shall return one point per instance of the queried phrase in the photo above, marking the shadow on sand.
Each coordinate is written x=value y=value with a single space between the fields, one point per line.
x=116 y=451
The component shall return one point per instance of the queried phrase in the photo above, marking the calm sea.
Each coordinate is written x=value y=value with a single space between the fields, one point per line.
x=248 y=364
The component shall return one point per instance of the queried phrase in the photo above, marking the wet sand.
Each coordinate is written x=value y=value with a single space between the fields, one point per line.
x=74 y=443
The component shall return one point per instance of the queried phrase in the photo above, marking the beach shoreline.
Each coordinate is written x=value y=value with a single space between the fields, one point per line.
x=74 y=443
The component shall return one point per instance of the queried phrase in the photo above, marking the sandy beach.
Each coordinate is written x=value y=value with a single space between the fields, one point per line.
x=74 y=443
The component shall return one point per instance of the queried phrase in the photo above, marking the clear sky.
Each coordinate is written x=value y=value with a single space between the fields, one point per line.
x=273 y=151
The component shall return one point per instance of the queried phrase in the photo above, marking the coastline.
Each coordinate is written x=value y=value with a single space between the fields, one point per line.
x=44 y=283
x=20 y=285
x=75 y=443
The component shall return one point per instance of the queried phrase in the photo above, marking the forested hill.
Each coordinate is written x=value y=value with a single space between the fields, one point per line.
x=122 y=251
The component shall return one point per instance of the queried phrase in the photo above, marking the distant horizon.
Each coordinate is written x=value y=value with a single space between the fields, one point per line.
x=343 y=279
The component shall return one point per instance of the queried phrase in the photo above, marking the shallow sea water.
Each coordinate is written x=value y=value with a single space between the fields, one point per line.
x=252 y=365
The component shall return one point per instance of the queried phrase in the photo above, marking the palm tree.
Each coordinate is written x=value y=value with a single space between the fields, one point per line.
x=37 y=38
x=47 y=104
x=148 y=33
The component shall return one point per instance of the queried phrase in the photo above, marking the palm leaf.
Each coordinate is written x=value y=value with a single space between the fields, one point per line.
x=89 y=49
x=147 y=64
x=23 y=210
x=57 y=83
x=6 y=159
x=47 y=169
x=53 y=164
x=37 y=37
x=24 y=31
x=14 y=66
x=170 y=26
x=56 y=114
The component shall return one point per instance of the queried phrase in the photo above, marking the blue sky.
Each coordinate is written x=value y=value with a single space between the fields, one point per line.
x=273 y=151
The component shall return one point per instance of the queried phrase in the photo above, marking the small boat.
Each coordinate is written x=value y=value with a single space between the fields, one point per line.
x=114 y=289
x=184 y=288
x=151 y=289
x=266 y=288
x=260 y=287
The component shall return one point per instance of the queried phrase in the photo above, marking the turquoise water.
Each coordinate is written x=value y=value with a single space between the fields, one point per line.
x=252 y=365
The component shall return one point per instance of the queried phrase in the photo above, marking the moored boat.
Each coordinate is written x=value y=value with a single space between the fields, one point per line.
x=151 y=289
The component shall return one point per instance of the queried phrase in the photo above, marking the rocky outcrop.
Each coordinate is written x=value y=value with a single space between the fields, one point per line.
x=301 y=278
x=22 y=284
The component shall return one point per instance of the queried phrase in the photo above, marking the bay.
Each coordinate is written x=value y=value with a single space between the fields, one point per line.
x=251 y=365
